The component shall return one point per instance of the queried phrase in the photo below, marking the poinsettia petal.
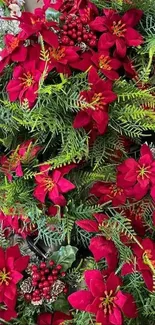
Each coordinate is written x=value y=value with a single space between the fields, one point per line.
x=121 y=47
x=92 y=274
x=65 y=185
x=113 y=282
x=81 y=119
x=115 y=317
x=130 y=308
x=132 y=17
x=2 y=258
x=21 y=263
x=16 y=276
x=88 y=225
x=40 y=193
x=13 y=251
x=133 y=37
x=102 y=318
x=44 y=319
x=80 y=299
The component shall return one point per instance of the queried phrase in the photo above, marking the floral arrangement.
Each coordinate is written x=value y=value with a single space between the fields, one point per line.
x=77 y=163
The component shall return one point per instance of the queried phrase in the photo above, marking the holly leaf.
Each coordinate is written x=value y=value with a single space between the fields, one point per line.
x=65 y=256
x=61 y=304
x=52 y=14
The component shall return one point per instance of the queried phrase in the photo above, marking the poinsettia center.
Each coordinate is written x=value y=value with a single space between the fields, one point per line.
x=49 y=183
x=4 y=277
x=14 y=159
x=98 y=101
x=104 y=62
x=114 y=190
x=58 y=53
x=143 y=171
x=107 y=302
x=27 y=80
x=118 y=29
x=13 y=44
x=147 y=259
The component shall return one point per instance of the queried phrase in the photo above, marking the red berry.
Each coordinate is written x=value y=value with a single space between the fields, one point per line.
x=85 y=36
x=74 y=24
x=78 y=21
x=42 y=272
x=51 y=263
x=37 y=298
x=59 y=267
x=65 y=290
x=62 y=17
x=36 y=292
x=79 y=39
x=69 y=32
x=70 y=25
x=34 y=283
x=74 y=35
x=71 y=43
x=46 y=283
x=47 y=271
x=44 y=294
x=54 y=272
x=28 y=296
x=63 y=274
x=92 y=43
x=48 y=297
x=46 y=289
x=34 y=268
x=79 y=33
x=65 y=27
x=55 y=277
x=79 y=27
x=42 y=278
x=50 y=278
x=65 y=40
x=42 y=265
x=35 y=277
x=40 y=285
x=65 y=33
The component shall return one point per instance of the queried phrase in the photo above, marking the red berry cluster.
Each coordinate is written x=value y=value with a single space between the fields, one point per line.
x=43 y=278
x=76 y=30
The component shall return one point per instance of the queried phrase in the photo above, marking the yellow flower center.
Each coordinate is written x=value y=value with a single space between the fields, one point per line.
x=118 y=29
x=104 y=62
x=107 y=302
x=49 y=183
x=27 y=80
x=98 y=101
x=147 y=259
x=143 y=171
x=13 y=44
x=57 y=54
x=114 y=190
x=4 y=277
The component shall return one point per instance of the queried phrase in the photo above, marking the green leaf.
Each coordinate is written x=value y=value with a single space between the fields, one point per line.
x=65 y=256
x=61 y=304
x=52 y=14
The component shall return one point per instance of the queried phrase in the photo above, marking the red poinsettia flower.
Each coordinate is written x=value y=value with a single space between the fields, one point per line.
x=144 y=262
x=35 y=23
x=118 y=30
x=53 y=184
x=104 y=299
x=103 y=248
x=14 y=50
x=13 y=163
x=57 y=318
x=7 y=314
x=25 y=82
x=12 y=263
x=127 y=65
x=135 y=215
x=109 y=192
x=60 y=57
x=140 y=175
x=95 y=103
x=106 y=64
x=18 y=224
x=93 y=225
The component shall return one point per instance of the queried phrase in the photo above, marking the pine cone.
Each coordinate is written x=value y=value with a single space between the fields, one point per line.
x=57 y=289
x=26 y=286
